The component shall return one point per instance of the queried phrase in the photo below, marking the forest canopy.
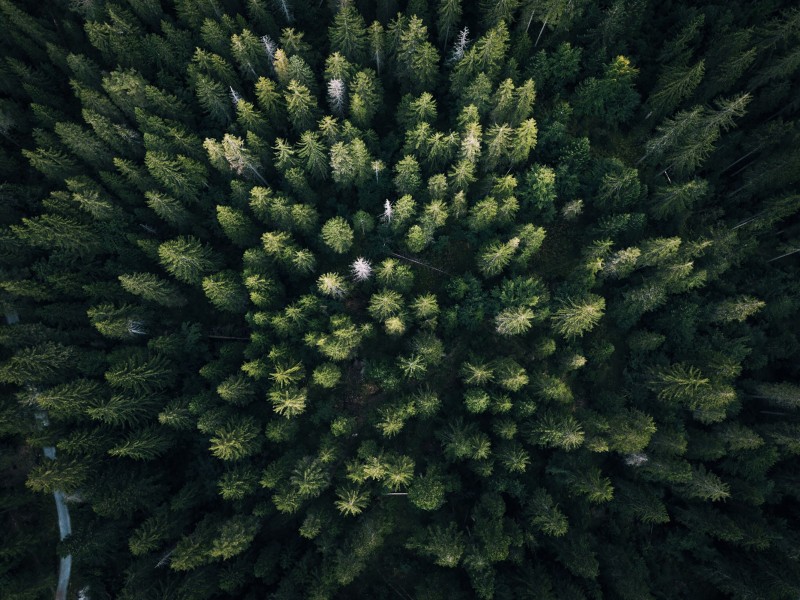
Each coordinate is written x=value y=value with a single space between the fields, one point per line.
x=431 y=299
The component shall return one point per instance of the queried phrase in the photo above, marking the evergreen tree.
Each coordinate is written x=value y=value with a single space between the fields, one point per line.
x=186 y=259
x=675 y=85
x=449 y=13
x=225 y=291
x=348 y=33
x=573 y=319
x=687 y=139
x=300 y=105
x=337 y=235
x=613 y=98
x=152 y=288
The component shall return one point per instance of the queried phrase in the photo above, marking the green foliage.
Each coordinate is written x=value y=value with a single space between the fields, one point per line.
x=186 y=259
x=685 y=140
x=146 y=444
x=152 y=288
x=496 y=256
x=352 y=501
x=140 y=373
x=235 y=439
x=611 y=99
x=444 y=545
x=234 y=536
x=427 y=492
x=680 y=382
x=291 y=324
x=545 y=515
x=573 y=319
x=337 y=235
x=225 y=291
x=514 y=321
x=327 y=375
x=558 y=431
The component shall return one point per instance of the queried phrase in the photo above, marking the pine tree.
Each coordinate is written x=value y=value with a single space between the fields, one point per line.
x=58 y=233
x=249 y=53
x=236 y=439
x=680 y=382
x=417 y=60
x=226 y=291
x=407 y=177
x=168 y=208
x=613 y=98
x=445 y=545
x=678 y=199
x=300 y=105
x=180 y=175
x=239 y=228
x=288 y=402
x=377 y=43
x=352 y=501
x=145 y=444
x=686 y=140
x=337 y=235
x=736 y=309
x=449 y=13
x=140 y=373
x=348 y=34
x=68 y=400
x=333 y=285
x=232 y=151
x=214 y=98
x=123 y=410
x=573 y=319
x=152 y=288
x=237 y=390
x=365 y=98
x=675 y=85
x=37 y=364
x=116 y=322
x=186 y=259
x=514 y=321
x=485 y=56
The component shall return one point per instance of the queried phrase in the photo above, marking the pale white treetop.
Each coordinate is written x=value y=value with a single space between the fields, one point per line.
x=460 y=46
x=388 y=211
x=235 y=97
x=336 y=95
x=361 y=269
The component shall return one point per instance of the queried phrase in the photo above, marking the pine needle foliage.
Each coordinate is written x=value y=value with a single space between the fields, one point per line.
x=365 y=300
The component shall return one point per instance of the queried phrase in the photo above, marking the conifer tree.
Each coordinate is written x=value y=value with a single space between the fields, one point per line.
x=611 y=99
x=348 y=33
x=225 y=291
x=496 y=256
x=337 y=235
x=235 y=439
x=573 y=318
x=449 y=15
x=676 y=84
x=186 y=259
x=300 y=105
x=687 y=139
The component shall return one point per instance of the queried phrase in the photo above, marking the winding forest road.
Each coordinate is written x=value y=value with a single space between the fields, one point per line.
x=64 y=524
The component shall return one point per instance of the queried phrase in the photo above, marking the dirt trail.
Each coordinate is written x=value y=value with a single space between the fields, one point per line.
x=64 y=524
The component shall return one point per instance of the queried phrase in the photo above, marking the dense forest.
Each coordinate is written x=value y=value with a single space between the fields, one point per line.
x=422 y=299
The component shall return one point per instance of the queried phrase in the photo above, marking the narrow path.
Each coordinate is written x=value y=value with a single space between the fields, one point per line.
x=65 y=529
x=64 y=524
